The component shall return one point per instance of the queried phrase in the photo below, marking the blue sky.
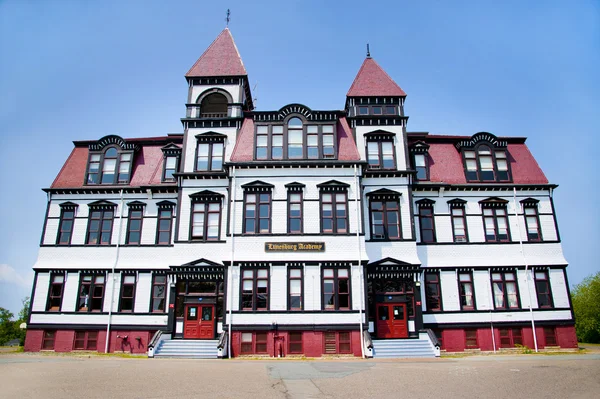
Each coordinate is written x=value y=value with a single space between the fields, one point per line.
x=75 y=70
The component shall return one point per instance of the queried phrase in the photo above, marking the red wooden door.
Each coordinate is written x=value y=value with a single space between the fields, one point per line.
x=199 y=321
x=392 y=320
x=190 y=322
x=206 y=325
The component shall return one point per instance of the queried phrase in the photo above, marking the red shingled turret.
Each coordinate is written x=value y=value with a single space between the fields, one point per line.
x=221 y=58
x=373 y=81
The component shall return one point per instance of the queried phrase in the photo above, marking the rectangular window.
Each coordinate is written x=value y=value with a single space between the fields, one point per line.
x=85 y=340
x=421 y=166
x=495 y=221
x=295 y=343
x=261 y=342
x=385 y=220
x=210 y=157
x=48 y=340
x=465 y=289
x=312 y=142
x=255 y=289
x=124 y=168
x=159 y=293
x=334 y=215
x=502 y=165
x=328 y=145
x=532 y=222
x=295 y=289
x=471 y=339
x=206 y=219
x=100 y=226
x=550 y=336
x=336 y=289
x=91 y=293
x=134 y=226
x=65 y=228
x=363 y=110
x=510 y=337
x=380 y=155
x=295 y=213
x=505 y=290
x=57 y=284
x=257 y=213
x=459 y=224
x=254 y=343
x=170 y=168
x=127 y=299
x=94 y=169
x=262 y=142
x=426 y=223
x=336 y=342
x=390 y=110
x=277 y=142
x=433 y=294
x=165 y=221
x=247 y=343
x=542 y=288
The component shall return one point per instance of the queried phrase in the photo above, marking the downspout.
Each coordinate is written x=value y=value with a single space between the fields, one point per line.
x=360 y=269
x=114 y=278
x=527 y=273
x=230 y=274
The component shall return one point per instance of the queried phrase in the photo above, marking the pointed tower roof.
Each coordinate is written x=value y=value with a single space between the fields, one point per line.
x=221 y=58
x=373 y=81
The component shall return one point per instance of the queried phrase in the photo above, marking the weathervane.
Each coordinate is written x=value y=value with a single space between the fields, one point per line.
x=228 y=17
x=368 y=51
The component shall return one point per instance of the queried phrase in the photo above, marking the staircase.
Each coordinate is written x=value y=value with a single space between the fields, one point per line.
x=187 y=349
x=403 y=348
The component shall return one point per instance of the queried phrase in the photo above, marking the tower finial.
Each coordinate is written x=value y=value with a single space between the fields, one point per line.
x=368 y=51
x=228 y=17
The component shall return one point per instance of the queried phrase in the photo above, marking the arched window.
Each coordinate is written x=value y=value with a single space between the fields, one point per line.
x=295 y=138
x=213 y=106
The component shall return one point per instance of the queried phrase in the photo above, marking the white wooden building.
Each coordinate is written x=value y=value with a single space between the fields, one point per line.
x=299 y=231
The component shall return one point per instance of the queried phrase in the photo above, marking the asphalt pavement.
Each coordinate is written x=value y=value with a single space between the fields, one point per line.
x=502 y=376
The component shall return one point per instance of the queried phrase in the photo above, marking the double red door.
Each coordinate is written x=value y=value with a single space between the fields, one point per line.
x=392 y=320
x=199 y=321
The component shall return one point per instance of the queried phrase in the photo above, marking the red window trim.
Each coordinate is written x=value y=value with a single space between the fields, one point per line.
x=539 y=294
x=155 y=298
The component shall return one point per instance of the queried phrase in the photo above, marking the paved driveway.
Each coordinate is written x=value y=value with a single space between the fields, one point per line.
x=564 y=376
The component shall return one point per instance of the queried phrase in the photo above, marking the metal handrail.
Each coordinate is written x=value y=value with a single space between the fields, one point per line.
x=155 y=339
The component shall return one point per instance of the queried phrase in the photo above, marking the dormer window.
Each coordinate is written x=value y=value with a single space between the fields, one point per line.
x=420 y=158
x=293 y=140
x=485 y=159
x=110 y=167
x=172 y=154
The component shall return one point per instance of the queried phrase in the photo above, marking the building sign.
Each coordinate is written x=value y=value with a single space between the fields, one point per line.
x=294 y=247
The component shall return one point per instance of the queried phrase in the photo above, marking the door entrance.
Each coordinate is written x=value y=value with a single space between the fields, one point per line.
x=199 y=321
x=392 y=320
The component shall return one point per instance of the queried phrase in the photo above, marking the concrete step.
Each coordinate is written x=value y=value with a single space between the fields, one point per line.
x=192 y=349
x=402 y=348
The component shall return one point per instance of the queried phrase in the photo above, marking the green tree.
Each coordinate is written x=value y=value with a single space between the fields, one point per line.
x=7 y=327
x=586 y=305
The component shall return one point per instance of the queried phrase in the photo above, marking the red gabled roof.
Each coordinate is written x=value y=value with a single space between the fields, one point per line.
x=446 y=163
x=244 y=146
x=221 y=58
x=373 y=81
x=147 y=164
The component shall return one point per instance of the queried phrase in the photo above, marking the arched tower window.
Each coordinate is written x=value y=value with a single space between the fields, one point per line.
x=295 y=138
x=214 y=106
